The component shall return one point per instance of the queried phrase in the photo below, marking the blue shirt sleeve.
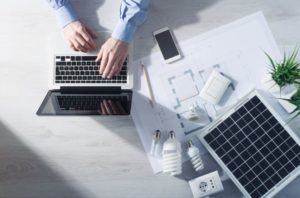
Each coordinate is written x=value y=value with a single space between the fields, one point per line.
x=63 y=11
x=132 y=14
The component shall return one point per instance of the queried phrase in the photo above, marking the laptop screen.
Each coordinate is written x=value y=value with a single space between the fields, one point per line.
x=67 y=103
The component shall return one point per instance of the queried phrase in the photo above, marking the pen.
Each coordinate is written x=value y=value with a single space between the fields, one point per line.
x=152 y=100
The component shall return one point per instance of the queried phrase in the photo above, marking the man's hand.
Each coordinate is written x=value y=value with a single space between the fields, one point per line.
x=112 y=55
x=79 y=37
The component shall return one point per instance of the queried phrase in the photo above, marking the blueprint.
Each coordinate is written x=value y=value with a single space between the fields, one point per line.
x=236 y=50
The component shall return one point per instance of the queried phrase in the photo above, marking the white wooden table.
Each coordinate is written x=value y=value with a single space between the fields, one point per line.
x=66 y=157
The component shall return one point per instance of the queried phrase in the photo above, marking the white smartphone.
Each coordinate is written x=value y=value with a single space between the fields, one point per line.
x=167 y=44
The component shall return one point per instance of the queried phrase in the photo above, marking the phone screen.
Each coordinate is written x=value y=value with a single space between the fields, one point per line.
x=166 y=44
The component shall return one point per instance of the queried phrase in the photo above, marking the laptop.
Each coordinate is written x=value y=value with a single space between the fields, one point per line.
x=254 y=146
x=77 y=88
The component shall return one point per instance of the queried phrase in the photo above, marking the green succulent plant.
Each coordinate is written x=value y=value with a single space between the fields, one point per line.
x=286 y=72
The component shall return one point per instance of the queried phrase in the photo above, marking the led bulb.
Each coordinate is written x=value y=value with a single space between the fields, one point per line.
x=172 y=163
x=193 y=153
x=155 y=150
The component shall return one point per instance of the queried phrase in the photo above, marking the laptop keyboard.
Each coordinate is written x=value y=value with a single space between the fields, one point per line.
x=84 y=103
x=84 y=69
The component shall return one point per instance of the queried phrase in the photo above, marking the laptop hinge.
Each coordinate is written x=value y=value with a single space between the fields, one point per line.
x=91 y=90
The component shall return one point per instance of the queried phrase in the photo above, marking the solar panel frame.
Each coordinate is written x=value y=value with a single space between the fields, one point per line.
x=228 y=121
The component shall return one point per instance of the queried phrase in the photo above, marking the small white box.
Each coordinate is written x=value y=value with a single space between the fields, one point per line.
x=215 y=87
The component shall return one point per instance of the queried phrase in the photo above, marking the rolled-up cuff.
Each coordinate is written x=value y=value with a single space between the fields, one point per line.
x=65 y=15
x=124 y=31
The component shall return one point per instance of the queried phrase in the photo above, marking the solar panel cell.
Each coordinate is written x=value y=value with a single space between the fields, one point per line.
x=209 y=138
x=241 y=123
x=267 y=114
x=215 y=133
x=262 y=190
x=227 y=134
x=253 y=125
x=220 y=152
x=254 y=112
x=249 y=106
x=233 y=141
x=275 y=178
x=242 y=111
x=270 y=158
x=228 y=122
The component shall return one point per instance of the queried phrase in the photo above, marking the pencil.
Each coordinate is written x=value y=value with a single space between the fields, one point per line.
x=152 y=100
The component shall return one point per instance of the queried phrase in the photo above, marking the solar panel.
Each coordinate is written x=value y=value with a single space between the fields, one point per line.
x=254 y=146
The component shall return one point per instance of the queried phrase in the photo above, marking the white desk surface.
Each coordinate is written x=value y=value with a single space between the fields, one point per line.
x=98 y=157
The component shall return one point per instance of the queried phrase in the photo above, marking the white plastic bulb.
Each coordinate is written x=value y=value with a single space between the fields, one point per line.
x=172 y=162
x=155 y=150
x=193 y=153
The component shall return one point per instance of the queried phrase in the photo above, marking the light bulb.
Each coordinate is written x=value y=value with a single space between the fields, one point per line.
x=172 y=163
x=155 y=150
x=193 y=153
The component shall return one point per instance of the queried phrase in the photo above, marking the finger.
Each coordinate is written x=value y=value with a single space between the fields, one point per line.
x=80 y=48
x=99 y=55
x=88 y=38
x=103 y=63
x=84 y=45
x=107 y=108
x=76 y=45
x=114 y=107
x=120 y=67
x=72 y=46
x=109 y=66
x=92 y=33
x=114 y=69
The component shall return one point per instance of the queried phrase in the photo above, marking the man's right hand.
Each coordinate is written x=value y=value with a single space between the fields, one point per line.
x=79 y=37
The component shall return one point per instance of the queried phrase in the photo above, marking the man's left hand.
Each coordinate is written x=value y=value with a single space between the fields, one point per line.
x=112 y=55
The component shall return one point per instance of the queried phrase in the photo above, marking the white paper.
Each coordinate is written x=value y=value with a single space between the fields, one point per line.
x=236 y=50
